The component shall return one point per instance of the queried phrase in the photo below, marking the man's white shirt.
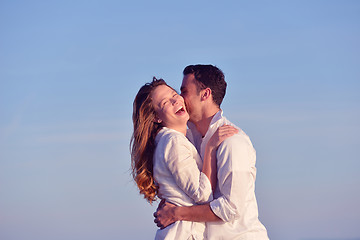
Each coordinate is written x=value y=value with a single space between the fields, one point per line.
x=234 y=198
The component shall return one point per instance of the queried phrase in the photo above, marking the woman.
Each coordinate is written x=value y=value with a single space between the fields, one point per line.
x=164 y=162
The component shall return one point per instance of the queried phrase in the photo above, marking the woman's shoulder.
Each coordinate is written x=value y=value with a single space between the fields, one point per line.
x=169 y=135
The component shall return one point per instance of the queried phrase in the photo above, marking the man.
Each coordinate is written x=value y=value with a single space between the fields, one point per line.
x=233 y=214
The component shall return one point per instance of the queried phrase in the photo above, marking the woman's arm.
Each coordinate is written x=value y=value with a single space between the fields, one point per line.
x=209 y=165
x=180 y=161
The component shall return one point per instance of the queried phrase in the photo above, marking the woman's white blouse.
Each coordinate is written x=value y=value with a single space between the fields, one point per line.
x=177 y=172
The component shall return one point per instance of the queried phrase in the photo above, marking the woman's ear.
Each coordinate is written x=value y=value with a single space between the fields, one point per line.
x=206 y=93
x=157 y=120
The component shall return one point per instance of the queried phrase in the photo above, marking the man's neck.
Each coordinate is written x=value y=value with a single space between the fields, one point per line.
x=203 y=125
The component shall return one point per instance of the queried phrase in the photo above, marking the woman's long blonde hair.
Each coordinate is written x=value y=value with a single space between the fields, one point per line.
x=142 y=142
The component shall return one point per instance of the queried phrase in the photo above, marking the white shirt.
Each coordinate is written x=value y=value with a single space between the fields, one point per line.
x=177 y=172
x=234 y=197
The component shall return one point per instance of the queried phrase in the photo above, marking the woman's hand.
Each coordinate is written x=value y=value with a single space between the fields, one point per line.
x=221 y=134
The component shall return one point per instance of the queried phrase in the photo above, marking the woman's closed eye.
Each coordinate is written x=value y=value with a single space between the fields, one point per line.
x=164 y=103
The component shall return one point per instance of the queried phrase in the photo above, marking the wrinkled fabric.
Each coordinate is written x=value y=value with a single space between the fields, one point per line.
x=177 y=172
x=234 y=197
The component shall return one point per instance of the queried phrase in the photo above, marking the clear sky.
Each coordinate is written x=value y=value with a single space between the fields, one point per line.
x=69 y=71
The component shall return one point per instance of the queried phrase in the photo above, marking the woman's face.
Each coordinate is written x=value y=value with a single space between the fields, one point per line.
x=169 y=107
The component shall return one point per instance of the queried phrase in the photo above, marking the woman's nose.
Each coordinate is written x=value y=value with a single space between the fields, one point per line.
x=175 y=101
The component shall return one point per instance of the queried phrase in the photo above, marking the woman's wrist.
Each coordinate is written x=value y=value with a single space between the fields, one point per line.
x=210 y=148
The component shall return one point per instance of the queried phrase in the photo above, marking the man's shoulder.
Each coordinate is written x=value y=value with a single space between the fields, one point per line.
x=237 y=151
x=238 y=140
x=224 y=121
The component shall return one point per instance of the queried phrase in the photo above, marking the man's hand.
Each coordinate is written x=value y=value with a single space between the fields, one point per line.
x=165 y=214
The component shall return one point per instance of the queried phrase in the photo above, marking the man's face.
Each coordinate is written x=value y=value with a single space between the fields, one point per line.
x=191 y=97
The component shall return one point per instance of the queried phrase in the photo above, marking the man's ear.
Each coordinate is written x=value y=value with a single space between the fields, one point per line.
x=205 y=94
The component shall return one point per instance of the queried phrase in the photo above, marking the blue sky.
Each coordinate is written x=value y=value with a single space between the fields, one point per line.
x=69 y=71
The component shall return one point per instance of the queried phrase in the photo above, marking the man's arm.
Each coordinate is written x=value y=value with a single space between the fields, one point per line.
x=236 y=177
x=168 y=213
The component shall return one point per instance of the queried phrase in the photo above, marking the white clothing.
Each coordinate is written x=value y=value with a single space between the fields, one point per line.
x=234 y=197
x=177 y=172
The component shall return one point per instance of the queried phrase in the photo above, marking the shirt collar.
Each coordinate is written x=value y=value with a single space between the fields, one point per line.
x=215 y=118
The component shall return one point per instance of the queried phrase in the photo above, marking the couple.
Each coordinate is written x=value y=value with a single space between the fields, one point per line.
x=203 y=174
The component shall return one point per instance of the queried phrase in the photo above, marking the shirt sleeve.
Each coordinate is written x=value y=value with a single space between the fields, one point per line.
x=182 y=165
x=236 y=177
